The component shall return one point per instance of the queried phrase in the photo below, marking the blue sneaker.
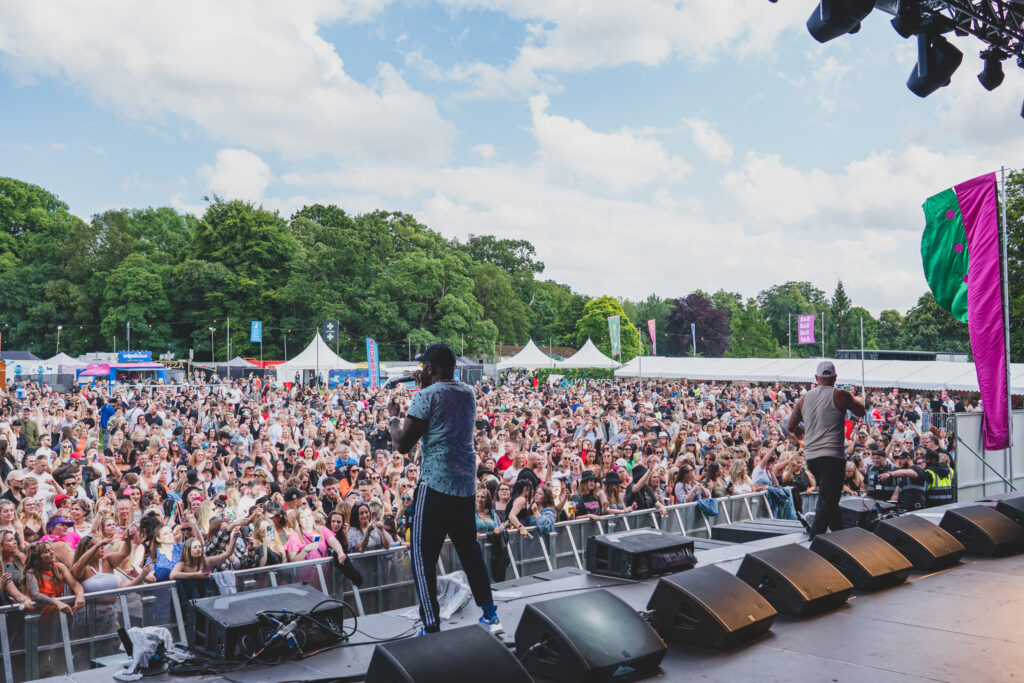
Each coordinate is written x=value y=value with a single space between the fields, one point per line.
x=493 y=625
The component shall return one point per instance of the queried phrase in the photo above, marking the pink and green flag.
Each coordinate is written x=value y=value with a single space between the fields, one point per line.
x=960 y=254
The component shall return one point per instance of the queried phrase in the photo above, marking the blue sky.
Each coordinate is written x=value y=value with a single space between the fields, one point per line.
x=642 y=147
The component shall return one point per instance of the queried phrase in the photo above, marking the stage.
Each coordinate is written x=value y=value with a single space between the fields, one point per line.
x=959 y=624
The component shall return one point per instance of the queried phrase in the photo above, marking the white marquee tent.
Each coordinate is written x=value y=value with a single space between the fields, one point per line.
x=530 y=358
x=589 y=357
x=65 y=364
x=919 y=375
x=318 y=356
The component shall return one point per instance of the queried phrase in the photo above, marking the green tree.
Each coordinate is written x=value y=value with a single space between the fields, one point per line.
x=750 y=334
x=493 y=290
x=136 y=293
x=593 y=325
x=653 y=308
x=929 y=327
x=516 y=257
x=778 y=303
x=839 y=332
x=888 y=332
x=853 y=318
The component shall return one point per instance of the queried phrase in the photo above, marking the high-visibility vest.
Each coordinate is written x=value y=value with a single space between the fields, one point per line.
x=939 y=490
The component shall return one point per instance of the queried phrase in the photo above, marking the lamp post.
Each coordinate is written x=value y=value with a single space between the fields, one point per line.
x=59 y=328
x=213 y=358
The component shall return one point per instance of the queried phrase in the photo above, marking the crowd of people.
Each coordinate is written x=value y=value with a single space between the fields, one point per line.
x=105 y=487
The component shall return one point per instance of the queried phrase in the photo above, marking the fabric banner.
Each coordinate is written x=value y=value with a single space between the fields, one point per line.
x=654 y=342
x=330 y=331
x=373 y=363
x=805 y=329
x=256 y=332
x=960 y=255
x=614 y=322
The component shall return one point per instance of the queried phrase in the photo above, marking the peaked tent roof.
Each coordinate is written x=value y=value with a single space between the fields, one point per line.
x=530 y=358
x=63 y=360
x=318 y=355
x=589 y=357
x=237 y=362
x=18 y=355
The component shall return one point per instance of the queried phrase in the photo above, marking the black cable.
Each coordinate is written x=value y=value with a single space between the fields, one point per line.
x=533 y=647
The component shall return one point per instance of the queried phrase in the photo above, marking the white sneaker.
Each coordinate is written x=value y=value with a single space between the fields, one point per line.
x=494 y=625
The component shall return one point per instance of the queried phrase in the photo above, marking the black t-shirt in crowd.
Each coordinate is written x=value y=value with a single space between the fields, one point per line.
x=587 y=504
x=909 y=498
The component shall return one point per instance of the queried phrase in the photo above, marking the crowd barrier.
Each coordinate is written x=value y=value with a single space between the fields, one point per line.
x=46 y=643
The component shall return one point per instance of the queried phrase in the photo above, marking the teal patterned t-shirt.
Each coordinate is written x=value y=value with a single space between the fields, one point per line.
x=448 y=455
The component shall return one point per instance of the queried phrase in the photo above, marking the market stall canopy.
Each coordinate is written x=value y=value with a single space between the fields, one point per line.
x=19 y=355
x=530 y=358
x=96 y=370
x=317 y=356
x=237 y=362
x=589 y=357
x=889 y=374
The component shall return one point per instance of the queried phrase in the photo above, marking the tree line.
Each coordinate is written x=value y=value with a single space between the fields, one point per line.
x=383 y=274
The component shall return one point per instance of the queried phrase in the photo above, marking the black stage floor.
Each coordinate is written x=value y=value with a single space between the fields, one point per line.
x=965 y=623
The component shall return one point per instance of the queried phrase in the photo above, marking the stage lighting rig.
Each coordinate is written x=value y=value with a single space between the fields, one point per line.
x=999 y=24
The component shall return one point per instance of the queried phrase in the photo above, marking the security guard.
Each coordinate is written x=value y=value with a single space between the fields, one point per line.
x=878 y=488
x=910 y=481
x=938 y=480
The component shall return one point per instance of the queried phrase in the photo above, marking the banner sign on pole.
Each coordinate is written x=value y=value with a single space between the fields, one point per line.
x=373 y=363
x=134 y=356
x=654 y=342
x=805 y=329
x=613 y=330
x=330 y=333
x=256 y=332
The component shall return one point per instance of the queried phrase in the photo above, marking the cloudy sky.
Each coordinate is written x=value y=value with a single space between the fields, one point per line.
x=642 y=146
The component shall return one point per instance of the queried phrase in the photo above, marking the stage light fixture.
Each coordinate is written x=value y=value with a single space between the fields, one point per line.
x=833 y=18
x=908 y=19
x=991 y=76
x=937 y=59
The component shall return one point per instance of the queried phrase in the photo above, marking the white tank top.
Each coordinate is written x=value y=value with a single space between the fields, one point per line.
x=824 y=424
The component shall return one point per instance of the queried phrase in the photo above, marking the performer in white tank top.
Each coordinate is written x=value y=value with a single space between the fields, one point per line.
x=818 y=422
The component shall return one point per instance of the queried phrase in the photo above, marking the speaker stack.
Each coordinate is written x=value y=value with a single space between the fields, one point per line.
x=1012 y=508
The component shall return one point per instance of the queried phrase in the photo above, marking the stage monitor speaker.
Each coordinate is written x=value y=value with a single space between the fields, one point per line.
x=639 y=554
x=865 y=559
x=863 y=512
x=755 y=530
x=709 y=606
x=983 y=531
x=469 y=653
x=795 y=580
x=928 y=546
x=228 y=626
x=1012 y=508
x=585 y=638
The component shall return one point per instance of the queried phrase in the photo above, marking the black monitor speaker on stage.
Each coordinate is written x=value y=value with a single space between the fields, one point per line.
x=983 y=531
x=709 y=606
x=1012 y=508
x=865 y=559
x=587 y=638
x=230 y=627
x=462 y=655
x=928 y=546
x=795 y=580
x=639 y=554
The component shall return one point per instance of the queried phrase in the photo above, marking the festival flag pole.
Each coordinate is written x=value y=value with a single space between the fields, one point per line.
x=1006 y=328
x=789 y=335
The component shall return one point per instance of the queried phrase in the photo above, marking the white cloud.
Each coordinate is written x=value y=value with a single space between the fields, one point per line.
x=237 y=174
x=623 y=160
x=709 y=141
x=486 y=151
x=569 y=35
x=248 y=73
